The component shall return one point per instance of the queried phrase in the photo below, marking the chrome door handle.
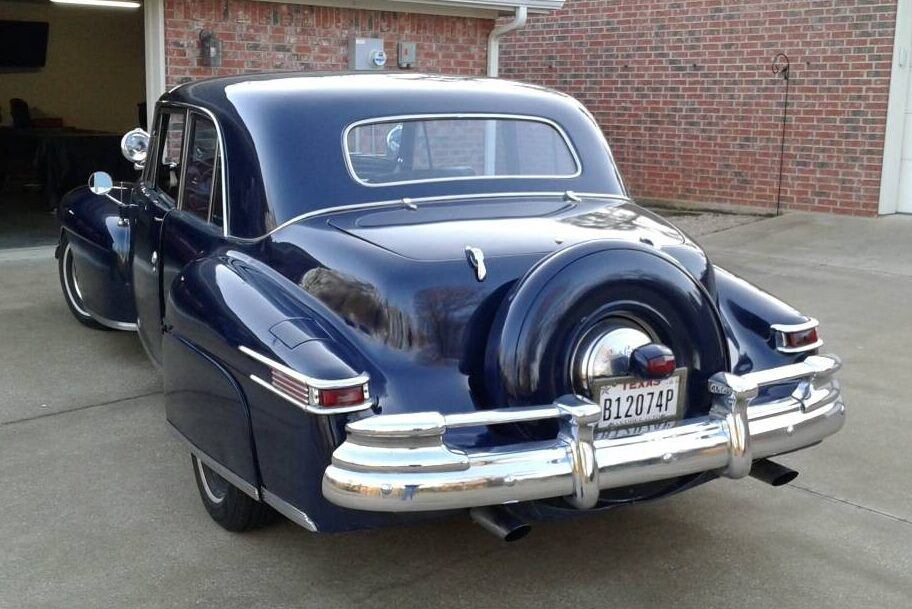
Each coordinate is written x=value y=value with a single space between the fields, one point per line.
x=154 y=260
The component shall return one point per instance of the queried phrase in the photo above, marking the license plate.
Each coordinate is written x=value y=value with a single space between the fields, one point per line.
x=630 y=401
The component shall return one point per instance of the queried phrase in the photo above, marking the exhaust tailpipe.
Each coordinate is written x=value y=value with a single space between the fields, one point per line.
x=772 y=473
x=501 y=522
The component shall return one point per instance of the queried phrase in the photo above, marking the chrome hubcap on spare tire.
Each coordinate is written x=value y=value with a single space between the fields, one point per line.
x=604 y=351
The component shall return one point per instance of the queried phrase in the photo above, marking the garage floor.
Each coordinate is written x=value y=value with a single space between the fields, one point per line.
x=98 y=506
x=26 y=219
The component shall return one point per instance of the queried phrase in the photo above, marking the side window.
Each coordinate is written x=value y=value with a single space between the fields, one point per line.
x=202 y=159
x=171 y=134
x=218 y=210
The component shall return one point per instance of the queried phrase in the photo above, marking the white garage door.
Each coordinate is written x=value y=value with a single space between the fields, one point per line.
x=904 y=205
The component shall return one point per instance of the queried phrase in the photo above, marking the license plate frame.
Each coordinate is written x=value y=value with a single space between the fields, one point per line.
x=602 y=386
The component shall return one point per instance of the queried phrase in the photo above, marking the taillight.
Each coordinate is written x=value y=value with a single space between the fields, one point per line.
x=801 y=339
x=317 y=396
x=652 y=361
x=340 y=396
x=796 y=338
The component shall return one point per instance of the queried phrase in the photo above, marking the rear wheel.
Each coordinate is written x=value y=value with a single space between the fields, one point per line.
x=228 y=505
x=69 y=283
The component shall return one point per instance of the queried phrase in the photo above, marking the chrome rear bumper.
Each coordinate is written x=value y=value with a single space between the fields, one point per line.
x=401 y=462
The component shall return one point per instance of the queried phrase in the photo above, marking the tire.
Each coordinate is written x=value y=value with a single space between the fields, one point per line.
x=229 y=506
x=70 y=286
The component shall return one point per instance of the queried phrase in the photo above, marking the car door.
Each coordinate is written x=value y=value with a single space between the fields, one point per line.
x=203 y=401
x=195 y=226
x=156 y=198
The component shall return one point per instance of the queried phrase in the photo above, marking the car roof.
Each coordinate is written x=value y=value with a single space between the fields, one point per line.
x=212 y=93
x=282 y=134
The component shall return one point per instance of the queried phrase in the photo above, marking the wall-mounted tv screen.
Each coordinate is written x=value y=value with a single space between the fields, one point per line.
x=23 y=44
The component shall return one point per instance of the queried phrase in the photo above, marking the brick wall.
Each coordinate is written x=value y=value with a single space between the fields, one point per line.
x=262 y=36
x=685 y=94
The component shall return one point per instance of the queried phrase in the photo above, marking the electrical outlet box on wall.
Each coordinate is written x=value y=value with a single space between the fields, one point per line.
x=366 y=54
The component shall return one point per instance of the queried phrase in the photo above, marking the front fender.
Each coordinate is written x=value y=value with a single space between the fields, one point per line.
x=100 y=241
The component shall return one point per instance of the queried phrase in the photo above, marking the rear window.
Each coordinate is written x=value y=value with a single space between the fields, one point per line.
x=427 y=149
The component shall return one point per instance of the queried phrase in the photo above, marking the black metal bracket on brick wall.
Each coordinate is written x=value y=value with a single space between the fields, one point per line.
x=782 y=67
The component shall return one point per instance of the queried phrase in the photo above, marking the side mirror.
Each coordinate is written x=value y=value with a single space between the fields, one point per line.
x=101 y=183
x=135 y=146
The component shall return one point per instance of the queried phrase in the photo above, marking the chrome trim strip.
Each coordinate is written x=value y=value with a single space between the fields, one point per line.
x=786 y=328
x=459 y=116
x=402 y=463
x=217 y=467
x=289 y=511
x=124 y=326
x=430 y=199
x=312 y=382
x=223 y=151
x=780 y=330
x=310 y=407
x=802 y=349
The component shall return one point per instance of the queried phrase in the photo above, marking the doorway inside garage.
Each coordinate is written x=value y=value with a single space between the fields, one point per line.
x=72 y=81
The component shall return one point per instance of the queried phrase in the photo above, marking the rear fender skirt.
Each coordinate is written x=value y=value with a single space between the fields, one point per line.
x=207 y=407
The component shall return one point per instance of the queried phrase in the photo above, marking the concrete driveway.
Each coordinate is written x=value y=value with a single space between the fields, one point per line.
x=98 y=506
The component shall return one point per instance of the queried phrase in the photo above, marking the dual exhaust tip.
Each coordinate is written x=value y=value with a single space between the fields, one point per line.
x=506 y=525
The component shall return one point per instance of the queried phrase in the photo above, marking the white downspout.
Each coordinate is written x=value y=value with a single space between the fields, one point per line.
x=519 y=20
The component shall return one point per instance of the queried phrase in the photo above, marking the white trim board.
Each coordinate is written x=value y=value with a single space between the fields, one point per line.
x=484 y=9
x=896 y=112
x=154 y=21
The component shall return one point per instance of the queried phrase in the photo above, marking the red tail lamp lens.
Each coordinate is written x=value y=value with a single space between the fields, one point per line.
x=652 y=361
x=801 y=339
x=661 y=366
x=346 y=396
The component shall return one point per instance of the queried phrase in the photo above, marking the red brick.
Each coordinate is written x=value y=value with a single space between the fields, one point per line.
x=685 y=95
x=264 y=36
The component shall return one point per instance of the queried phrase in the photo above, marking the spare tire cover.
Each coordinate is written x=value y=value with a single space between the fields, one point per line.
x=538 y=325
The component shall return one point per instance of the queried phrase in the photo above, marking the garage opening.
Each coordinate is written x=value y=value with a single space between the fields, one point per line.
x=72 y=82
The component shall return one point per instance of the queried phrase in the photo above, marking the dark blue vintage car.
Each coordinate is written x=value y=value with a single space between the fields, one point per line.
x=379 y=298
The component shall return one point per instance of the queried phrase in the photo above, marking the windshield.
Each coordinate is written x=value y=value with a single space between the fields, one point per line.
x=429 y=149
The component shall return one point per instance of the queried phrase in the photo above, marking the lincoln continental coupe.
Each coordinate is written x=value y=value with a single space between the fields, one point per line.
x=376 y=299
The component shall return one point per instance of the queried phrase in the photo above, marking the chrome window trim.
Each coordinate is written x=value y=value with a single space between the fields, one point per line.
x=459 y=116
x=221 y=470
x=167 y=108
x=412 y=202
x=223 y=165
x=192 y=117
